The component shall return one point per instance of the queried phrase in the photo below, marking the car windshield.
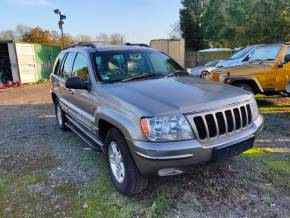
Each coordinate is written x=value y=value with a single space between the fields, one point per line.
x=116 y=66
x=266 y=53
x=211 y=63
x=240 y=54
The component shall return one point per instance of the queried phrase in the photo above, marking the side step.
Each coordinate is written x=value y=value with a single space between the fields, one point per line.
x=91 y=142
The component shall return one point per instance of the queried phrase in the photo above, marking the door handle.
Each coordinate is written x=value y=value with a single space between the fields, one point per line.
x=70 y=91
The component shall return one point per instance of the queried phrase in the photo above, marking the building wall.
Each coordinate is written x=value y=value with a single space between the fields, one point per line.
x=173 y=48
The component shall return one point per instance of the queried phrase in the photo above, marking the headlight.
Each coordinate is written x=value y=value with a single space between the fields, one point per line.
x=254 y=108
x=166 y=128
x=222 y=77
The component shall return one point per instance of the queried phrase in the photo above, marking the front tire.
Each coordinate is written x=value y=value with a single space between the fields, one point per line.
x=124 y=173
x=60 y=116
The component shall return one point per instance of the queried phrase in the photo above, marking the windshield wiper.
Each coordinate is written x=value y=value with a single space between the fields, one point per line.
x=178 y=73
x=141 y=76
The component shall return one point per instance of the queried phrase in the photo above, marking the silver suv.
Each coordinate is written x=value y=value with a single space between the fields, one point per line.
x=146 y=114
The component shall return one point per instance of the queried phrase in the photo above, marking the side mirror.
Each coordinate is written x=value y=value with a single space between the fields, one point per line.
x=286 y=59
x=76 y=83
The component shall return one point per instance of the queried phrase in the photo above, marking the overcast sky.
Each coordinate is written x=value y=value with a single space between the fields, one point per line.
x=138 y=20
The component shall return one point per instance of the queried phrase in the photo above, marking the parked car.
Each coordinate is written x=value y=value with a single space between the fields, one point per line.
x=205 y=70
x=146 y=114
x=238 y=58
x=267 y=70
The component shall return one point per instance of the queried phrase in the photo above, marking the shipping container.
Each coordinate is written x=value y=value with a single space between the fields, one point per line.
x=26 y=62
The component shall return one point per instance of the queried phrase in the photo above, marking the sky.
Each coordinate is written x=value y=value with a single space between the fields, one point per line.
x=138 y=20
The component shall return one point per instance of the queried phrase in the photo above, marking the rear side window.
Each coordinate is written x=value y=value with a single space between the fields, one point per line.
x=67 y=67
x=57 y=64
x=80 y=68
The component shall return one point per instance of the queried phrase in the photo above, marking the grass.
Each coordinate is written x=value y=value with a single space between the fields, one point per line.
x=276 y=169
x=273 y=104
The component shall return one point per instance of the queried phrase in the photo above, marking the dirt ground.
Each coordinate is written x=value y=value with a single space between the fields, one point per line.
x=45 y=172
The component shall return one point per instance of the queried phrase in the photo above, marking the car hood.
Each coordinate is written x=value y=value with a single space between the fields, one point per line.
x=174 y=95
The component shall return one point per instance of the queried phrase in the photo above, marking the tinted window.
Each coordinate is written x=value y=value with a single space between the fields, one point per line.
x=80 y=67
x=58 y=64
x=265 y=53
x=119 y=65
x=162 y=63
x=67 y=67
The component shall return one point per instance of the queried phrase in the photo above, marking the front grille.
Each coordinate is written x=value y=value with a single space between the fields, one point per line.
x=219 y=123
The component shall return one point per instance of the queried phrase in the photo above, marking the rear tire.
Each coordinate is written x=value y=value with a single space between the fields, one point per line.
x=124 y=173
x=246 y=87
x=60 y=116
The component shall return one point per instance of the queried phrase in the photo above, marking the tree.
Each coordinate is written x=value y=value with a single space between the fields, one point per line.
x=7 y=35
x=175 y=32
x=242 y=22
x=83 y=38
x=21 y=30
x=103 y=37
x=117 y=38
x=190 y=16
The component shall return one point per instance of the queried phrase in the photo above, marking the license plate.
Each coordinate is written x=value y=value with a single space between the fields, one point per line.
x=232 y=150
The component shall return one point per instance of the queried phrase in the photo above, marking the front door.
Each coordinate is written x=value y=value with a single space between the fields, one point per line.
x=283 y=75
x=266 y=56
x=81 y=99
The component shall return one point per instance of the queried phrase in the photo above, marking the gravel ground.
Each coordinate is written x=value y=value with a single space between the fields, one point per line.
x=45 y=172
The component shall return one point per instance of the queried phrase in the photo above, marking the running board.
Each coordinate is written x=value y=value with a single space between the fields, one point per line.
x=93 y=143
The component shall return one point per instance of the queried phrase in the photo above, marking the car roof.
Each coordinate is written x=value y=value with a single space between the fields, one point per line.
x=107 y=48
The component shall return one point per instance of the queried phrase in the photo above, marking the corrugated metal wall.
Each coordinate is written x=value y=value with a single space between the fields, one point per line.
x=173 y=48
x=45 y=56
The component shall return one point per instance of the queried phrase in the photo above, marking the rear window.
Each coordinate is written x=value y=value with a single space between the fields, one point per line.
x=57 y=65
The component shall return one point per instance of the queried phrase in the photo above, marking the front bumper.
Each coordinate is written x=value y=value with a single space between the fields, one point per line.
x=151 y=157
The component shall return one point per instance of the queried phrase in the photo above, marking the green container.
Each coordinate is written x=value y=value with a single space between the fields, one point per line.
x=45 y=56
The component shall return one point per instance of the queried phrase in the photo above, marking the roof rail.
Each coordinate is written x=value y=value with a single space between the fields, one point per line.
x=136 y=44
x=82 y=44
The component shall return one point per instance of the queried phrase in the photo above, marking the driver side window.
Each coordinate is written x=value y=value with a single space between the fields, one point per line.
x=80 y=68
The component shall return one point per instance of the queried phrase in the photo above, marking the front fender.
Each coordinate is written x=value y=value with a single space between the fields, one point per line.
x=234 y=79
x=128 y=125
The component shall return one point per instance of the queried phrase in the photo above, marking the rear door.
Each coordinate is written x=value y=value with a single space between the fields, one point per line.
x=82 y=100
x=65 y=72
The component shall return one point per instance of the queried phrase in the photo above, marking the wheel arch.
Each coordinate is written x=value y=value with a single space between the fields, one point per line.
x=110 y=119
x=253 y=82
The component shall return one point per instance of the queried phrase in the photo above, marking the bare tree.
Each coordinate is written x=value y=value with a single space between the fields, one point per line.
x=117 y=38
x=175 y=31
x=22 y=30
x=7 y=35
x=103 y=37
x=83 y=38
